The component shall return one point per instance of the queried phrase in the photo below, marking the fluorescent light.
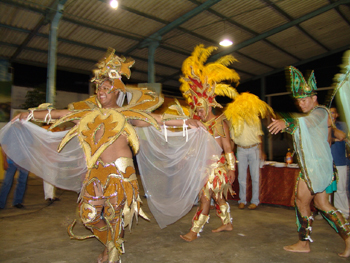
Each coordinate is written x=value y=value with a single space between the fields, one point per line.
x=225 y=43
x=113 y=4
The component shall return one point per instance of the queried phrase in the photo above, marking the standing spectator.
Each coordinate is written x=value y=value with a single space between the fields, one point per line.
x=245 y=114
x=339 y=156
x=249 y=153
x=50 y=192
x=50 y=189
x=10 y=167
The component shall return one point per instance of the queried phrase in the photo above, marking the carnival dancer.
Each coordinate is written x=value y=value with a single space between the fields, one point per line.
x=109 y=197
x=200 y=85
x=316 y=180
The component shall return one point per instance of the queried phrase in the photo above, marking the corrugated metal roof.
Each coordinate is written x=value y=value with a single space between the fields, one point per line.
x=266 y=34
x=7 y=51
x=298 y=9
x=326 y=28
x=297 y=43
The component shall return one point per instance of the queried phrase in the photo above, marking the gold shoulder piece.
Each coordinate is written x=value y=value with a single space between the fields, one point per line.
x=112 y=122
x=219 y=126
x=90 y=103
x=144 y=99
x=169 y=117
x=72 y=133
x=140 y=115
x=75 y=115
x=133 y=139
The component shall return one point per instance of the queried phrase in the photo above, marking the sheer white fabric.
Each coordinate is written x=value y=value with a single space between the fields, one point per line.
x=344 y=97
x=35 y=149
x=313 y=149
x=173 y=172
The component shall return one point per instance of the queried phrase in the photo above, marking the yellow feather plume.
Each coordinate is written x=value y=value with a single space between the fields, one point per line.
x=226 y=60
x=247 y=108
x=203 y=53
x=226 y=90
x=210 y=76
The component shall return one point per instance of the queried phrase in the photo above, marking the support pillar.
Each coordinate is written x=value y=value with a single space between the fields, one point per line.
x=52 y=57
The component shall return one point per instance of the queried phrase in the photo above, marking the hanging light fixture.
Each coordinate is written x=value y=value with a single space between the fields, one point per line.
x=226 y=41
x=113 y=4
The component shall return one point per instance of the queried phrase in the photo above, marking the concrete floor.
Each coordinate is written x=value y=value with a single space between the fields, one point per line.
x=38 y=234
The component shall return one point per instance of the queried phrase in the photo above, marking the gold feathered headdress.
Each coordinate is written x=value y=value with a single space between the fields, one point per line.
x=201 y=83
x=247 y=108
x=111 y=67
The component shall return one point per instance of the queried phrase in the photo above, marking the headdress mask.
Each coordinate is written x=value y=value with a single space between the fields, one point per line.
x=111 y=67
x=299 y=87
x=199 y=83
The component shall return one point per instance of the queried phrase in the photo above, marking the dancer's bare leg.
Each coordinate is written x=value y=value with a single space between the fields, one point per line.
x=204 y=206
x=226 y=227
x=300 y=246
x=303 y=200
x=190 y=236
x=346 y=252
x=322 y=202
x=103 y=257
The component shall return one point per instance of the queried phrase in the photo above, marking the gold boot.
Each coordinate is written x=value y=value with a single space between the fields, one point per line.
x=198 y=223
x=224 y=214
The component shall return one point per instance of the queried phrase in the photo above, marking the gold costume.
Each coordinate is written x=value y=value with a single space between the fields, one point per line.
x=110 y=191
x=217 y=181
x=217 y=185
x=200 y=84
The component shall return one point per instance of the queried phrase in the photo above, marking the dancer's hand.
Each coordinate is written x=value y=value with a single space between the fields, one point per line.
x=21 y=116
x=231 y=176
x=276 y=126
x=192 y=123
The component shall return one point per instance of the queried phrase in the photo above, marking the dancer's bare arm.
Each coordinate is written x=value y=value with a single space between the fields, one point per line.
x=41 y=114
x=228 y=148
x=190 y=122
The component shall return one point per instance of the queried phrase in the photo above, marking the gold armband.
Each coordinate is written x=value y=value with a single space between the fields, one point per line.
x=169 y=117
x=230 y=160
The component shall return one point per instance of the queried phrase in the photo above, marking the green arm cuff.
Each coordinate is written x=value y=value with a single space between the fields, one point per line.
x=291 y=123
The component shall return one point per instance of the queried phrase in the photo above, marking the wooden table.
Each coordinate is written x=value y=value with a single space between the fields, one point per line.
x=276 y=185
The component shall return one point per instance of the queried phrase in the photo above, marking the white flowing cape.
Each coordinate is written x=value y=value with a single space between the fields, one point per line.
x=173 y=172
x=310 y=142
x=35 y=149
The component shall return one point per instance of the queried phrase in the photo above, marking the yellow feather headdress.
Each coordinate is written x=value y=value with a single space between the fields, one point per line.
x=201 y=83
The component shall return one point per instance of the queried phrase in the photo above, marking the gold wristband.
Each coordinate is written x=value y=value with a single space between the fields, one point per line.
x=230 y=160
